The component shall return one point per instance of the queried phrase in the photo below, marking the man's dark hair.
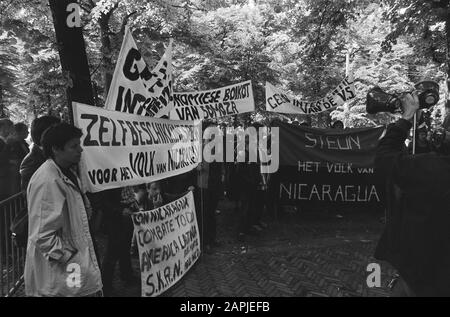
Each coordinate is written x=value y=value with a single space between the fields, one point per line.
x=20 y=126
x=140 y=186
x=39 y=125
x=5 y=122
x=257 y=125
x=57 y=137
x=335 y=123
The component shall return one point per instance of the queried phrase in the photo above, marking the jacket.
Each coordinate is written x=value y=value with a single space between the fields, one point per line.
x=19 y=149
x=30 y=164
x=4 y=170
x=60 y=258
x=416 y=240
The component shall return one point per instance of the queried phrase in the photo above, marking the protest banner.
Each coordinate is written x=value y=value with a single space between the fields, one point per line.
x=321 y=167
x=121 y=149
x=276 y=101
x=135 y=88
x=168 y=242
x=213 y=103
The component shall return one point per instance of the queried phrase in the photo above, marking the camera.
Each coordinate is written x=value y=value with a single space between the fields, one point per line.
x=381 y=101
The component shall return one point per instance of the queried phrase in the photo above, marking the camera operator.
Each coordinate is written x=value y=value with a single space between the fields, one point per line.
x=416 y=240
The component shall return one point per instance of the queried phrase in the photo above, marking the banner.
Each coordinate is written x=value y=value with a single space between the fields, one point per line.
x=168 y=242
x=137 y=90
x=320 y=167
x=122 y=149
x=276 y=101
x=213 y=103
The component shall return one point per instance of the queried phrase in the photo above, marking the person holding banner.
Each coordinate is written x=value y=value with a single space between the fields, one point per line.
x=60 y=257
x=416 y=240
x=142 y=198
x=155 y=196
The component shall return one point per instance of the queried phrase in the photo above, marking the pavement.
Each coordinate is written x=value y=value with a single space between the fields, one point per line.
x=301 y=254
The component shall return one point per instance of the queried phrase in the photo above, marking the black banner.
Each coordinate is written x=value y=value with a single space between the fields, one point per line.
x=321 y=167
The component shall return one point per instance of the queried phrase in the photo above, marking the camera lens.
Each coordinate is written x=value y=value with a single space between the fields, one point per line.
x=430 y=99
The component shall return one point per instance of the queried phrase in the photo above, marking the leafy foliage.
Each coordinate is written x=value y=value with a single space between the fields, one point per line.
x=300 y=46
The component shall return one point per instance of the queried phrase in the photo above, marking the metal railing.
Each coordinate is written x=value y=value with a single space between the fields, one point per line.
x=12 y=258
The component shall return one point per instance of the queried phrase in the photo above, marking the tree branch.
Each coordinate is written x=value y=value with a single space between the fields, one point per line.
x=96 y=69
x=6 y=6
x=125 y=22
x=190 y=7
x=85 y=8
x=320 y=28
x=104 y=19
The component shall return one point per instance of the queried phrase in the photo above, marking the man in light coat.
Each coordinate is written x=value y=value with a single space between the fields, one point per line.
x=60 y=258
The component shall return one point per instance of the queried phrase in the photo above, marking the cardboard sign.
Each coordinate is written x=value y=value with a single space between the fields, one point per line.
x=168 y=242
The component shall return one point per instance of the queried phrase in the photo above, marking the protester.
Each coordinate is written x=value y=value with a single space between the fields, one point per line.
x=157 y=197
x=35 y=158
x=6 y=129
x=209 y=183
x=118 y=205
x=142 y=199
x=422 y=144
x=21 y=134
x=338 y=125
x=262 y=197
x=32 y=161
x=438 y=143
x=249 y=176
x=18 y=148
x=416 y=240
x=262 y=201
x=59 y=242
x=207 y=199
x=233 y=185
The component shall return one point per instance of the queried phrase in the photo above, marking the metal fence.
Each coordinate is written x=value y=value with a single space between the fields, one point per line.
x=12 y=258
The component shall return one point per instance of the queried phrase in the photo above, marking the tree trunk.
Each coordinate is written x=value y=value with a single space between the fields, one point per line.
x=446 y=115
x=49 y=105
x=72 y=53
x=447 y=29
x=106 y=52
x=2 y=114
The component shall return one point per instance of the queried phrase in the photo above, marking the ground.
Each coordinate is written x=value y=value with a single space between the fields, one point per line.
x=307 y=253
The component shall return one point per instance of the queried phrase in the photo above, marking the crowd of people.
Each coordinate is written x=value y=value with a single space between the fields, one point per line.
x=428 y=141
x=13 y=149
x=64 y=221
